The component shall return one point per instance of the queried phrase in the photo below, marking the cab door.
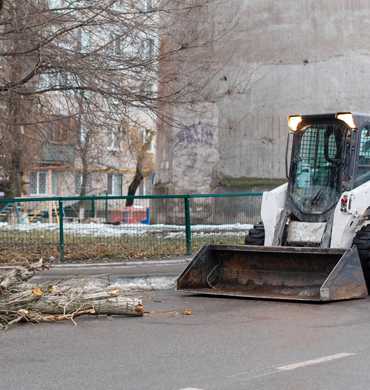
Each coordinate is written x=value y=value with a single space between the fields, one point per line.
x=362 y=166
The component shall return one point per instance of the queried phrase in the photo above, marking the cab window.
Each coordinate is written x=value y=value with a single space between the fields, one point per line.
x=363 y=171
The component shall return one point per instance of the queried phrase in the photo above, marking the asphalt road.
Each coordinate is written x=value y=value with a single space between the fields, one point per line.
x=226 y=344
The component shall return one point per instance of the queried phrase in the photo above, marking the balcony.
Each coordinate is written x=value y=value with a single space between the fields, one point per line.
x=53 y=153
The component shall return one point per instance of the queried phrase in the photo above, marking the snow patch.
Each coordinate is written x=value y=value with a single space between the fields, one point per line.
x=149 y=283
x=102 y=230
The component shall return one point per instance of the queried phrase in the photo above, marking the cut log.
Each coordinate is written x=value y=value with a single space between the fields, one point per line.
x=107 y=301
x=109 y=305
x=19 y=274
x=63 y=300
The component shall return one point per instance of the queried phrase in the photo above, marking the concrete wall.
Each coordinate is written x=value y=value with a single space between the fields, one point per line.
x=275 y=58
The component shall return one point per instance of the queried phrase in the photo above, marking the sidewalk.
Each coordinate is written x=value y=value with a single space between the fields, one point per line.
x=134 y=272
x=132 y=275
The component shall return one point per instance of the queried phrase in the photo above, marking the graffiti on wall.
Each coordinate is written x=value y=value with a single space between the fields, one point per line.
x=196 y=134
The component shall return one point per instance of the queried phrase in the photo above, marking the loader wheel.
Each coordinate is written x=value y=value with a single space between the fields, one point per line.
x=362 y=241
x=256 y=236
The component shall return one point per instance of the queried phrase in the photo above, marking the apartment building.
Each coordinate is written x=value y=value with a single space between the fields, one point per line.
x=94 y=149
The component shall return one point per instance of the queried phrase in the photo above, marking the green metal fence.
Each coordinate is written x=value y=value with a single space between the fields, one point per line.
x=103 y=228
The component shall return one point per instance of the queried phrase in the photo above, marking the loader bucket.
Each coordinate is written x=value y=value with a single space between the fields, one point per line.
x=287 y=273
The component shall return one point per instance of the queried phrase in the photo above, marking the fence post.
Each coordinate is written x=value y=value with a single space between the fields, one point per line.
x=188 y=225
x=61 y=230
x=93 y=210
x=106 y=207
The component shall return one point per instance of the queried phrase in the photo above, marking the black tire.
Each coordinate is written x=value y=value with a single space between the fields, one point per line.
x=362 y=241
x=256 y=236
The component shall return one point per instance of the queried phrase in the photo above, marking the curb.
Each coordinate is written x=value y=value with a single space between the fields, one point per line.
x=149 y=263
x=123 y=264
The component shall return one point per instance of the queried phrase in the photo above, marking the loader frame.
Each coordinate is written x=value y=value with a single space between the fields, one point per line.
x=328 y=272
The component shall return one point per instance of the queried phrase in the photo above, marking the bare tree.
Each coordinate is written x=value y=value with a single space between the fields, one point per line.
x=95 y=61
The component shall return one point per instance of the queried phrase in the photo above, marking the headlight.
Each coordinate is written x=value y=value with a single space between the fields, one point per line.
x=348 y=119
x=294 y=121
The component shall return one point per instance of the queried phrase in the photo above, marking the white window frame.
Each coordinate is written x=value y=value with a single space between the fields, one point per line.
x=114 y=140
x=38 y=192
x=85 y=41
x=148 y=48
x=114 y=178
x=83 y=134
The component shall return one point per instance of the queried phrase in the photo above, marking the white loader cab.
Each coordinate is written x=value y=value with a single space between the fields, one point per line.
x=326 y=202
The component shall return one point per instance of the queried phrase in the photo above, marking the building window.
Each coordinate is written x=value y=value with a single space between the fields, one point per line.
x=56 y=4
x=58 y=135
x=115 y=44
x=39 y=183
x=142 y=187
x=148 y=5
x=151 y=148
x=115 y=140
x=48 y=80
x=121 y=6
x=55 y=80
x=59 y=130
x=78 y=183
x=65 y=79
x=115 y=181
x=43 y=81
x=148 y=47
x=55 y=183
x=83 y=134
x=86 y=40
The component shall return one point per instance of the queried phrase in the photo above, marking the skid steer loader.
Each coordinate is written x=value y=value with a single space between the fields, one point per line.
x=313 y=243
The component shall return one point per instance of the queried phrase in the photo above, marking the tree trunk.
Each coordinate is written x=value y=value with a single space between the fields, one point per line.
x=17 y=106
x=84 y=181
x=136 y=181
x=16 y=174
x=15 y=146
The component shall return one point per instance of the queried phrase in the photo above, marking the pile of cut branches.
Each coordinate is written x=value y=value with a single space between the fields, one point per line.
x=63 y=300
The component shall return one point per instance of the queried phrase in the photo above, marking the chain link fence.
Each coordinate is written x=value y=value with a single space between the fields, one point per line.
x=103 y=228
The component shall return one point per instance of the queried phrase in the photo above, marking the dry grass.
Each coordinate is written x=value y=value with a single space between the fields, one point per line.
x=22 y=247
